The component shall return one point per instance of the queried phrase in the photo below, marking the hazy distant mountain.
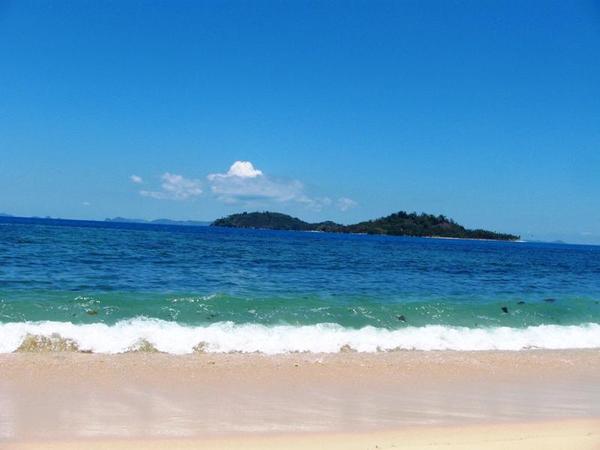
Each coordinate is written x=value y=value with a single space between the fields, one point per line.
x=397 y=224
x=195 y=223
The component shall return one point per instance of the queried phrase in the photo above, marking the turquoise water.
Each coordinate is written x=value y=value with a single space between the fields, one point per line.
x=195 y=278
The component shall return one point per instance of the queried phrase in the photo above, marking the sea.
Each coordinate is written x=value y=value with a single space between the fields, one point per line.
x=107 y=287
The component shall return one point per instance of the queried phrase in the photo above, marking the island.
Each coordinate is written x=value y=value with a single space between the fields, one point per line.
x=397 y=224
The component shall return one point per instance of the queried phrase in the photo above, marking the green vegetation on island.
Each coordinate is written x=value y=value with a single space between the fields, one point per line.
x=397 y=224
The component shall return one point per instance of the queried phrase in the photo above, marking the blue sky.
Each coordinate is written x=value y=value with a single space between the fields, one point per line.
x=486 y=111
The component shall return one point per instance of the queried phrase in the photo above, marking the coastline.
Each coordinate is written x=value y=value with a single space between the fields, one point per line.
x=58 y=400
x=170 y=337
x=471 y=239
x=350 y=233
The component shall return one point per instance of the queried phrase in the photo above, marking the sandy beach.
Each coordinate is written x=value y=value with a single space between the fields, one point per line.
x=530 y=399
x=563 y=435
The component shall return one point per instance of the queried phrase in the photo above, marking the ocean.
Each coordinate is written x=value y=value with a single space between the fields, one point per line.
x=117 y=287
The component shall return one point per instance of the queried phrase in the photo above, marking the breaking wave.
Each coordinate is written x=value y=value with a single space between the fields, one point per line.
x=150 y=335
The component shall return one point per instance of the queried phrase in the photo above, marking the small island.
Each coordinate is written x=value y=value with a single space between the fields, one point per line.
x=397 y=224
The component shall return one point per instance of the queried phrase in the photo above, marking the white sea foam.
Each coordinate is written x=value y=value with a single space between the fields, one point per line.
x=220 y=337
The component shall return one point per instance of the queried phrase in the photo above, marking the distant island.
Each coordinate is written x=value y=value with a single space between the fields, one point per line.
x=189 y=223
x=397 y=224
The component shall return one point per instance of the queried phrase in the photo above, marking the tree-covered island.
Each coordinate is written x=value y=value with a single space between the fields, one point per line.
x=397 y=224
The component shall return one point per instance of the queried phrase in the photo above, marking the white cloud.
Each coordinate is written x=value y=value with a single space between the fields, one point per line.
x=175 y=187
x=345 y=203
x=242 y=169
x=244 y=183
x=86 y=203
x=315 y=203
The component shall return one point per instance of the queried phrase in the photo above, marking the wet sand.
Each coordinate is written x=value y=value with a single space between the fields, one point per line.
x=345 y=400
x=562 y=435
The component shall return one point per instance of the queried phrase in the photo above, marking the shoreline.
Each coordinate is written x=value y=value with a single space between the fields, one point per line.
x=254 y=399
x=371 y=234
x=157 y=335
